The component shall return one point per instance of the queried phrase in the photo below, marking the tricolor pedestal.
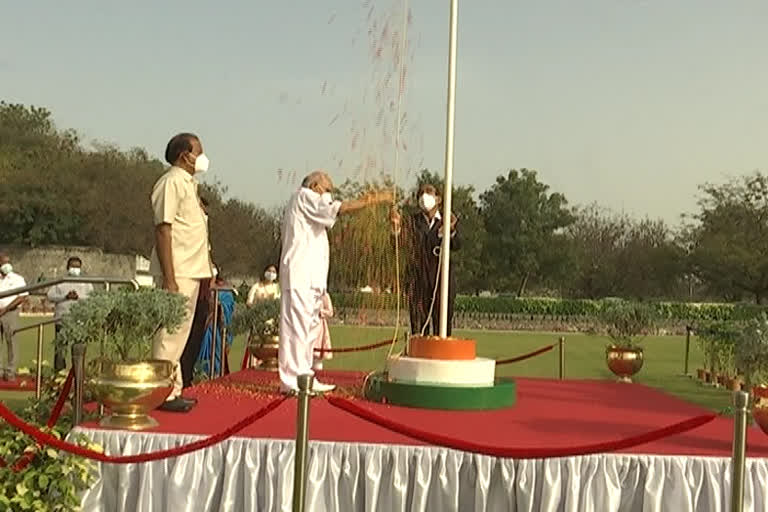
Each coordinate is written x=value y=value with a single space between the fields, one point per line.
x=442 y=373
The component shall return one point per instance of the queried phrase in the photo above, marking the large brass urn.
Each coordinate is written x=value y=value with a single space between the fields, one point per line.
x=129 y=391
x=265 y=349
x=624 y=362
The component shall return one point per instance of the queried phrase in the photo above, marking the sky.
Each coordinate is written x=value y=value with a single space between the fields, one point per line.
x=628 y=103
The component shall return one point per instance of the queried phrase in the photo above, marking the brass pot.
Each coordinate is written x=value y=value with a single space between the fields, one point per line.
x=624 y=362
x=760 y=407
x=131 y=390
x=265 y=348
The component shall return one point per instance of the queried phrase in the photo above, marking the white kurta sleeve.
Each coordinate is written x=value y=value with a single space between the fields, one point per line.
x=316 y=210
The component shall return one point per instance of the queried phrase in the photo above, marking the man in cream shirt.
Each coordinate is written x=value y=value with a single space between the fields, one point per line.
x=180 y=259
x=9 y=313
x=304 y=272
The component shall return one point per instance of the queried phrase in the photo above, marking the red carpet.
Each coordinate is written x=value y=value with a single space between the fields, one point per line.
x=549 y=413
x=22 y=383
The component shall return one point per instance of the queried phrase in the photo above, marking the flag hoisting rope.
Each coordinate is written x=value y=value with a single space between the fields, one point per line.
x=446 y=248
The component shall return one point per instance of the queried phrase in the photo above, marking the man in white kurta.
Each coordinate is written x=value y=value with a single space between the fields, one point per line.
x=304 y=272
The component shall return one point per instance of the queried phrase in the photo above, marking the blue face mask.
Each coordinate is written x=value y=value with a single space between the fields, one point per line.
x=6 y=269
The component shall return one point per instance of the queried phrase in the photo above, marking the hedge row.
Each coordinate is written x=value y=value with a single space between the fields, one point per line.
x=680 y=311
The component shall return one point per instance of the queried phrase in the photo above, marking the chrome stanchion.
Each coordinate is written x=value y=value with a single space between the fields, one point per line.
x=223 y=351
x=561 y=349
x=214 y=331
x=107 y=288
x=302 y=442
x=739 y=460
x=39 y=369
x=78 y=367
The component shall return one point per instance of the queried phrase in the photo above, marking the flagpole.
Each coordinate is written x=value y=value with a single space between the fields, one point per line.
x=445 y=251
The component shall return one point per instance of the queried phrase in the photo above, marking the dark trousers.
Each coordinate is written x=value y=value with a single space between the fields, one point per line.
x=195 y=340
x=418 y=305
x=59 y=358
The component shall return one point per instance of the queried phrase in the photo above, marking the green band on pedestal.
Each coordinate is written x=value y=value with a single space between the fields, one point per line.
x=426 y=396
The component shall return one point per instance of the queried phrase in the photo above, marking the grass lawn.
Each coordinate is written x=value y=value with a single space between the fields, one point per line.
x=584 y=358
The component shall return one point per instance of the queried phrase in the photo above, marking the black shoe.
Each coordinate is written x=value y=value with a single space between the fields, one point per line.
x=178 y=404
x=189 y=400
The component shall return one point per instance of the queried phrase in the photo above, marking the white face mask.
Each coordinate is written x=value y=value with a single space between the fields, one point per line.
x=270 y=276
x=427 y=202
x=6 y=269
x=215 y=271
x=74 y=271
x=326 y=197
x=201 y=163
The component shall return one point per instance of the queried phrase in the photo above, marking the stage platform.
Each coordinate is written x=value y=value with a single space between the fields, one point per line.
x=356 y=465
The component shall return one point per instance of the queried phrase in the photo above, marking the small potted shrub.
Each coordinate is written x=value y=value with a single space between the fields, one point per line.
x=717 y=341
x=120 y=326
x=260 y=322
x=626 y=324
x=751 y=355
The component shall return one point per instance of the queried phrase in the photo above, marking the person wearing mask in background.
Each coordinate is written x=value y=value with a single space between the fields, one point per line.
x=265 y=289
x=63 y=296
x=9 y=313
x=422 y=238
x=304 y=272
x=181 y=257
x=224 y=314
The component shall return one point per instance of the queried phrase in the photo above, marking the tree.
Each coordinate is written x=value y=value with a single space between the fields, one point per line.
x=55 y=191
x=361 y=244
x=729 y=236
x=523 y=222
x=613 y=255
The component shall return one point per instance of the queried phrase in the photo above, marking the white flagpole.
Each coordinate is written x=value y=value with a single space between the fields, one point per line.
x=445 y=251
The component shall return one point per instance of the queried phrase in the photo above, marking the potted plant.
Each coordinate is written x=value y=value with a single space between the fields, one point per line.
x=626 y=324
x=751 y=355
x=260 y=322
x=717 y=341
x=121 y=326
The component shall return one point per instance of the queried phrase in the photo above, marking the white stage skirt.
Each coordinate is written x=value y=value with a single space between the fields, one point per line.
x=245 y=474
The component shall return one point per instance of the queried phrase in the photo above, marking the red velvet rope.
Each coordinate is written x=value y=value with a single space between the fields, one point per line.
x=56 y=411
x=525 y=356
x=518 y=453
x=354 y=349
x=46 y=439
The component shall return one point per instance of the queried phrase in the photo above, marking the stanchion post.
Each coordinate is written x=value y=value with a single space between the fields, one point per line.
x=302 y=442
x=561 y=353
x=107 y=288
x=223 y=352
x=39 y=369
x=687 y=349
x=78 y=367
x=739 y=460
x=211 y=370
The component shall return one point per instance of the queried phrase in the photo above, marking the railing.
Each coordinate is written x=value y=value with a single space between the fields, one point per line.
x=39 y=368
x=106 y=281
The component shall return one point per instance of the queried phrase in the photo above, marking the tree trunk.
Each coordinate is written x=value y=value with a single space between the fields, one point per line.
x=523 y=283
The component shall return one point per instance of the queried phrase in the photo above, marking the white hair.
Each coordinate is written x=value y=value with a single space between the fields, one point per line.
x=315 y=178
